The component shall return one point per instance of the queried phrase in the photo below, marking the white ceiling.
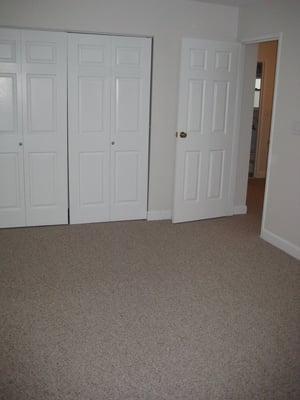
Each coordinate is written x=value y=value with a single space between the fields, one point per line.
x=237 y=3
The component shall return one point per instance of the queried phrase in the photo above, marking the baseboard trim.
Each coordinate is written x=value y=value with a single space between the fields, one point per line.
x=240 y=209
x=158 y=215
x=281 y=243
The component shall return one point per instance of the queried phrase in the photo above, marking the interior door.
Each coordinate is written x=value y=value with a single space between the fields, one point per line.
x=44 y=56
x=204 y=144
x=130 y=107
x=89 y=59
x=12 y=200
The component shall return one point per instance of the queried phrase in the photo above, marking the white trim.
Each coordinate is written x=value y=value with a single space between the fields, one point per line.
x=157 y=215
x=271 y=140
x=281 y=243
x=242 y=209
x=264 y=38
x=237 y=127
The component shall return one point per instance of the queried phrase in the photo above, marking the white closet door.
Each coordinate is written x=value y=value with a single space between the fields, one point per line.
x=89 y=127
x=130 y=103
x=44 y=56
x=109 y=95
x=12 y=206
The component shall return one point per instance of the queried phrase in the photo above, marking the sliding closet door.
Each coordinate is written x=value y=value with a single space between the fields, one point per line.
x=12 y=205
x=109 y=96
x=44 y=57
x=130 y=103
x=89 y=127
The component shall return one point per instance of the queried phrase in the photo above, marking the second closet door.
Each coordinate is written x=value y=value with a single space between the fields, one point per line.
x=109 y=97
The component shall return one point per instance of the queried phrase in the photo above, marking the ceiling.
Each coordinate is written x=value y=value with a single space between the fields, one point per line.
x=237 y=3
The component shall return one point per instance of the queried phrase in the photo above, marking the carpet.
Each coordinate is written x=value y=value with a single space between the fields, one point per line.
x=148 y=311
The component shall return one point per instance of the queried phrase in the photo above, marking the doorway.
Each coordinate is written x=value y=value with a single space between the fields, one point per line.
x=263 y=94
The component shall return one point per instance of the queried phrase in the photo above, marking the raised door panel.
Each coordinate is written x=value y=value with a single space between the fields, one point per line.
x=91 y=99
x=42 y=176
x=127 y=105
x=89 y=127
x=192 y=173
x=9 y=181
x=215 y=174
x=45 y=127
x=12 y=199
x=196 y=97
x=220 y=107
x=91 y=179
x=127 y=174
x=41 y=103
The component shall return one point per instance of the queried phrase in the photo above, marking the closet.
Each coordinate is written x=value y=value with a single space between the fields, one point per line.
x=74 y=127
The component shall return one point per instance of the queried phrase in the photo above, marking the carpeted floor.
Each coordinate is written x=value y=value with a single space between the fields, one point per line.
x=149 y=311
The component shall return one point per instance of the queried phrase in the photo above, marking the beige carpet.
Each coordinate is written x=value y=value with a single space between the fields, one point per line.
x=150 y=311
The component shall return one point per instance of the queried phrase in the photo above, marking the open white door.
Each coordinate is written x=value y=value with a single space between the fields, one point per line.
x=206 y=111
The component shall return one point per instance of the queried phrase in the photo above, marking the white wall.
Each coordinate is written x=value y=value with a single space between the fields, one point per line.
x=282 y=216
x=246 y=126
x=167 y=21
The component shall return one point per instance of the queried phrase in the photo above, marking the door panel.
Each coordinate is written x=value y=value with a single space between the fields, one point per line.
x=206 y=109
x=41 y=103
x=130 y=104
x=89 y=127
x=91 y=195
x=45 y=127
x=9 y=168
x=192 y=170
x=42 y=179
x=126 y=179
x=12 y=199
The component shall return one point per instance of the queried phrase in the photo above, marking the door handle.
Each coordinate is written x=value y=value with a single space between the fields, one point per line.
x=182 y=134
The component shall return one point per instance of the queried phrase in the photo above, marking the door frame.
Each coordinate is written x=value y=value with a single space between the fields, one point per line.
x=256 y=40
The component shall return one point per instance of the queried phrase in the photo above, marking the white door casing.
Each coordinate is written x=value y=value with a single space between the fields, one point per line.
x=12 y=200
x=44 y=83
x=109 y=100
x=206 y=114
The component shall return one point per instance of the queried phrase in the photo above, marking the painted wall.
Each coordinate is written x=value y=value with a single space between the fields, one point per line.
x=282 y=217
x=167 y=21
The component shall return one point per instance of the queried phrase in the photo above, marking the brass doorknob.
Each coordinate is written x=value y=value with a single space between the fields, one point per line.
x=182 y=134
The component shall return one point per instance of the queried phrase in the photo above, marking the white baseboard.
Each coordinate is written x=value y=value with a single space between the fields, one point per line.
x=157 y=215
x=281 y=243
x=240 y=209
